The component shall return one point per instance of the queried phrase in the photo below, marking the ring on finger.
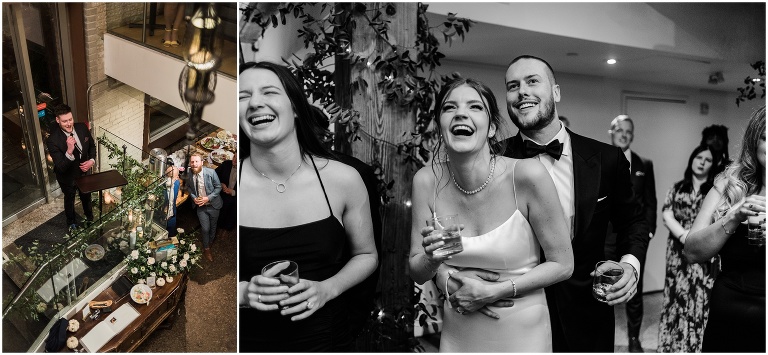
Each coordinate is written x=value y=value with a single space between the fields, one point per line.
x=258 y=298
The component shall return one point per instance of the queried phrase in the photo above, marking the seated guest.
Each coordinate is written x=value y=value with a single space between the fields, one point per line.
x=304 y=206
x=685 y=305
x=737 y=304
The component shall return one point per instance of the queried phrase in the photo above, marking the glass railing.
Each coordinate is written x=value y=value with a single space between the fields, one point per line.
x=60 y=276
x=144 y=23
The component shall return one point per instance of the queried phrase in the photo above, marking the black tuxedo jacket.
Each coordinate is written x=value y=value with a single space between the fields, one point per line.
x=67 y=170
x=644 y=187
x=602 y=194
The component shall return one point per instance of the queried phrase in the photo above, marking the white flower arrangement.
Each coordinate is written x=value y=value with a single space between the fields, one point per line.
x=142 y=263
x=72 y=342
x=74 y=325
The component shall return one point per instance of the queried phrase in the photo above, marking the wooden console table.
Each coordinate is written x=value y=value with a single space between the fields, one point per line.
x=164 y=302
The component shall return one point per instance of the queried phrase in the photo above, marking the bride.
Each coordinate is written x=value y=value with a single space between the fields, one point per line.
x=509 y=211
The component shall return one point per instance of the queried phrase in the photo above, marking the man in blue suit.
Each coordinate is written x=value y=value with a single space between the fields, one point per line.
x=204 y=187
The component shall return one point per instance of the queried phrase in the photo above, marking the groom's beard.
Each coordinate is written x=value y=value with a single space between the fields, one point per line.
x=541 y=120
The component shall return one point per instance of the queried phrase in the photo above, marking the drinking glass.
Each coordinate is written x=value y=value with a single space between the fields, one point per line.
x=607 y=273
x=756 y=232
x=448 y=226
x=288 y=272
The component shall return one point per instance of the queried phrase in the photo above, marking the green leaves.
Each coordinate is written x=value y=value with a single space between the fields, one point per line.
x=748 y=92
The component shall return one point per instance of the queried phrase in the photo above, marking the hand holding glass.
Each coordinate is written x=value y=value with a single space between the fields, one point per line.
x=450 y=230
x=607 y=273
x=756 y=230
x=286 y=271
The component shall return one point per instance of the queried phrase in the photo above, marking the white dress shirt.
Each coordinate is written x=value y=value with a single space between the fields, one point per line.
x=562 y=175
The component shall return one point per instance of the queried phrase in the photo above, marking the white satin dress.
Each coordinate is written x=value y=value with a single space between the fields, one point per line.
x=511 y=250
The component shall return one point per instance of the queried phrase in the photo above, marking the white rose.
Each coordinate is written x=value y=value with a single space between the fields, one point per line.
x=41 y=307
x=135 y=254
x=186 y=256
x=134 y=270
x=172 y=268
x=150 y=261
x=183 y=263
x=180 y=230
x=72 y=343
x=183 y=242
x=174 y=259
x=193 y=261
x=164 y=265
x=194 y=247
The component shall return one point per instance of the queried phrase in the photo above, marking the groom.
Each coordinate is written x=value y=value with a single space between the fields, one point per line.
x=593 y=184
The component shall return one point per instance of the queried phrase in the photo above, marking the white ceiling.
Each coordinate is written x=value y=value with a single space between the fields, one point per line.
x=736 y=32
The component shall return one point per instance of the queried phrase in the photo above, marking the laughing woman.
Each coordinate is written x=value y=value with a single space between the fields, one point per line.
x=737 y=304
x=509 y=210
x=300 y=205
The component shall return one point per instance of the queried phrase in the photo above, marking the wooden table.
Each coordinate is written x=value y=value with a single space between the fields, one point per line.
x=163 y=304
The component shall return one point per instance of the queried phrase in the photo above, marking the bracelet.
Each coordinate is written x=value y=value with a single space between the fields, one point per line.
x=514 y=288
x=722 y=223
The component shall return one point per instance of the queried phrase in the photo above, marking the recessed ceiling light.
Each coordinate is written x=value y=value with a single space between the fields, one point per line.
x=756 y=80
x=611 y=61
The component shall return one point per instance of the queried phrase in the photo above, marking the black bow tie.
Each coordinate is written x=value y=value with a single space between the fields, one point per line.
x=532 y=149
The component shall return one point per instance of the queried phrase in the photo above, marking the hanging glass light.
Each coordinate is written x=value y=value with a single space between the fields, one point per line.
x=197 y=81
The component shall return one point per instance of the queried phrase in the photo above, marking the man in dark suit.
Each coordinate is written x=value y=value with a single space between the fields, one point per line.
x=592 y=179
x=227 y=173
x=622 y=134
x=204 y=188
x=73 y=153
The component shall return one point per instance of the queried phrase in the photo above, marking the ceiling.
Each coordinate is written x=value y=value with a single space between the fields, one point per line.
x=735 y=30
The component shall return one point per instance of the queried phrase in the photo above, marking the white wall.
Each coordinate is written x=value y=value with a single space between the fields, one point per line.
x=591 y=102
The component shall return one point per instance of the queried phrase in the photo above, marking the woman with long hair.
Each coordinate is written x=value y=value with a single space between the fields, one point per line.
x=509 y=211
x=172 y=185
x=737 y=304
x=299 y=205
x=685 y=304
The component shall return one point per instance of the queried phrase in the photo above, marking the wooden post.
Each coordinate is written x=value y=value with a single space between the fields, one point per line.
x=387 y=121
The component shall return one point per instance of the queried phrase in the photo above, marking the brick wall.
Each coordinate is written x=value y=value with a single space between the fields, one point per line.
x=117 y=108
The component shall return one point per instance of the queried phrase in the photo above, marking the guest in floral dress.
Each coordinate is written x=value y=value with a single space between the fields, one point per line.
x=686 y=286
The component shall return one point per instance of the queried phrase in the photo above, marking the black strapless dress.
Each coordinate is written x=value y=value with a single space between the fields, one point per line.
x=737 y=305
x=317 y=247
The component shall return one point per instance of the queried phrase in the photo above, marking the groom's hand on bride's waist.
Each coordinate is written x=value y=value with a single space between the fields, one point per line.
x=484 y=277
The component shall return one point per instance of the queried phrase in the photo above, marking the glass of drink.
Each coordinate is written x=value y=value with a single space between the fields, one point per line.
x=607 y=273
x=448 y=227
x=756 y=231
x=287 y=272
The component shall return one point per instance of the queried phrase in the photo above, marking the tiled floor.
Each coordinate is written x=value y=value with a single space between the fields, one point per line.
x=649 y=331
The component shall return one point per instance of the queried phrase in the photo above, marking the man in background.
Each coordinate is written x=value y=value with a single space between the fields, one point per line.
x=622 y=134
x=205 y=188
x=73 y=153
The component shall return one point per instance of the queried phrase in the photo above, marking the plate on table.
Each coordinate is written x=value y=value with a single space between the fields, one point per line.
x=225 y=135
x=141 y=293
x=211 y=143
x=94 y=252
x=220 y=155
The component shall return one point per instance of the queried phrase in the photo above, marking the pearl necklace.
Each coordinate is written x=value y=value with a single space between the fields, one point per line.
x=490 y=175
x=280 y=186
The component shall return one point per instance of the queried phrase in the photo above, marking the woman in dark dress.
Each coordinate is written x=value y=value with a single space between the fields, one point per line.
x=737 y=305
x=687 y=286
x=299 y=204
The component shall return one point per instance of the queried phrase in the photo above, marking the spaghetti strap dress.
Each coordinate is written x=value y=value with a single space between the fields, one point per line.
x=510 y=250
x=737 y=305
x=317 y=248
